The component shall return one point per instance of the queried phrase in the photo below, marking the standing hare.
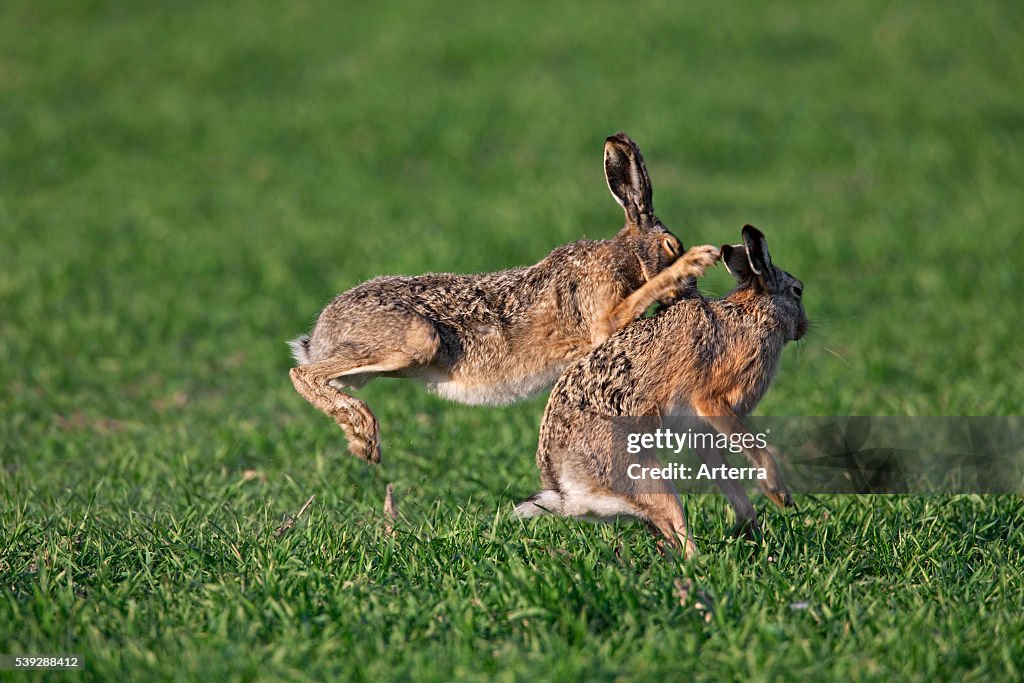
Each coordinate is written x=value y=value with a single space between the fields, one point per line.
x=712 y=359
x=494 y=338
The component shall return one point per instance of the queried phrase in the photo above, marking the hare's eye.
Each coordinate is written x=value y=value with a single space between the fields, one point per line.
x=670 y=246
x=797 y=290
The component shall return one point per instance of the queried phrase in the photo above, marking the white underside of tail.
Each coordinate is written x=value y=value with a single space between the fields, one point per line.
x=300 y=349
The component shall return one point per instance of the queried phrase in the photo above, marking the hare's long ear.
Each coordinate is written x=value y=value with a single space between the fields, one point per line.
x=757 y=251
x=734 y=256
x=627 y=178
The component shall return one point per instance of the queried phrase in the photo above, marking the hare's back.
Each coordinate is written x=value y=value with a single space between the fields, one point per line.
x=627 y=374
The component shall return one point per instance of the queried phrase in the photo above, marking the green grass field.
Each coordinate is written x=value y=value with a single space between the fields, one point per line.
x=184 y=185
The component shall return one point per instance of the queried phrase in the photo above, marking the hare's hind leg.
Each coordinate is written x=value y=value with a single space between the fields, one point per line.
x=546 y=501
x=314 y=383
x=322 y=382
x=659 y=505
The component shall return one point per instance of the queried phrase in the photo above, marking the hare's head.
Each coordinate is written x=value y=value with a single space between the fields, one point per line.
x=751 y=265
x=651 y=242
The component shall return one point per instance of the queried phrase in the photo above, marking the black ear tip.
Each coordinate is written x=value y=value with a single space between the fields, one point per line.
x=750 y=230
x=726 y=251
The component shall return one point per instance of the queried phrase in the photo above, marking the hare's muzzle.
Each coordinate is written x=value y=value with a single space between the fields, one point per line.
x=801 y=329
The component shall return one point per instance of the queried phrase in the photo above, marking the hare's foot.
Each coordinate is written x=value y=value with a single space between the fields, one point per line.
x=351 y=414
x=779 y=495
x=541 y=503
x=360 y=426
x=395 y=343
x=694 y=262
x=674 y=533
x=659 y=506
x=662 y=286
x=746 y=515
x=687 y=268
x=748 y=529
x=721 y=416
x=775 y=487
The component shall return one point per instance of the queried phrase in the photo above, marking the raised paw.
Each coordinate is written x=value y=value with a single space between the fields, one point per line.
x=367 y=449
x=698 y=259
x=363 y=433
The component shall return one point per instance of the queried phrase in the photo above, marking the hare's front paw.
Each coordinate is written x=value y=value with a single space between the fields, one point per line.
x=700 y=258
x=780 y=496
x=775 y=487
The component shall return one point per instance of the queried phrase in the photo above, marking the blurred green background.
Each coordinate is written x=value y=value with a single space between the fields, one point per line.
x=184 y=185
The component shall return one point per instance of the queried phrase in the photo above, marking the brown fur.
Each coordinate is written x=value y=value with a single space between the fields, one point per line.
x=713 y=359
x=493 y=338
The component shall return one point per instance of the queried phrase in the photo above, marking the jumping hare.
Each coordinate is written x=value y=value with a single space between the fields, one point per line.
x=710 y=359
x=494 y=338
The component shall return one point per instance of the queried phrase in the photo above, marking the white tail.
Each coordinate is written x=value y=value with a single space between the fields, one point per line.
x=300 y=349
